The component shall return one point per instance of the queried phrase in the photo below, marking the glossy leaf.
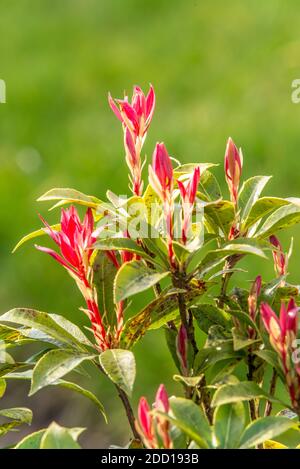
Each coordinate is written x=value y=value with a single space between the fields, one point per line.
x=32 y=441
x=134 y=277
x=263 y=207
x=250 y=192
x=57 y=437
x=229 y=423
x=119 y=365
x=264 y=429
x=53 y=325
x=283 y=217
x=33 y=235
x=54 y=365
x=207 y=315
x=243 y=391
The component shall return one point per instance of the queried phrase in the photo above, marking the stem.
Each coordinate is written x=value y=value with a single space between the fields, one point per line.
x=129 y=411
x=250 y=378
x=127 y=406
x=229 y=264
x=269 y=404
x=205 y=400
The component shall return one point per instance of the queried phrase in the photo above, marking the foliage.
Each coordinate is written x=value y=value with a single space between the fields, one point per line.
x=180 y=238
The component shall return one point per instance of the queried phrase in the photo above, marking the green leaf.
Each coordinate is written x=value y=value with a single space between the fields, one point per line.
x=119 y=365
x=221 y=213
x=156 y=314
x=229 y=423
x=249 y=194
x=31 y=441
x=84 y=392
x=239 y=246
x=207 y=315
x=27 y=375
x=189 y=418
x=241 y=341
x=209 y=186
x=209 y=355
x=124 y=244
x=53 y=325
x=34 y=234
x=243 y=391
x=262 y=207
x=70 y=196
x=53 y=366
x=283 y=217
x=57 y=437
x=271 y=358
x=264 y=429
x=104 y=275
x=134 y=277
x=20 y=414
x=2 y=387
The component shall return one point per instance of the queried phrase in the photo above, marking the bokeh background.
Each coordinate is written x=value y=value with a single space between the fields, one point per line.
x=218 y=68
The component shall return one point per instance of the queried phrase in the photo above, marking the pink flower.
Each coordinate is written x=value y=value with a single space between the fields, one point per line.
x=182 y=349
x=282 y=334
x=161 y=172
x=150 y=426
x=280 y=259
x=188 y=191
x=233 y=168
x=136 y=118
x=75 y=241
x=161 y=180
x=138 y=114
x=162 y=400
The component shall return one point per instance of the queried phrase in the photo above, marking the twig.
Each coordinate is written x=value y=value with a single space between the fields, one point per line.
x=250 y=378
x=129 y=412
x=205 y=400
x=126 y=404
x=269 y=404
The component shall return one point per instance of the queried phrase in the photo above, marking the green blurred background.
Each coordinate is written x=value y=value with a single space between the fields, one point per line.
x=219 y=68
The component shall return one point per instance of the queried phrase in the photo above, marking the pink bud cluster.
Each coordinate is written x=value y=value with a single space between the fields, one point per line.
x=154 y=429
x=136 y=118
x=282 y=334
x=75 y=241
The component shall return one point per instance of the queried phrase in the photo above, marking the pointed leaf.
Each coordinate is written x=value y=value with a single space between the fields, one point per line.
x=229 y=423
x=134 y=277
x=250 y=192
x=119 y=365
x=54 y=365
x=264 y=429
x=31 y=441
x=57 y=437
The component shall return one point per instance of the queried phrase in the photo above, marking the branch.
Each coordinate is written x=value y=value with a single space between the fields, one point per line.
x=269 y=404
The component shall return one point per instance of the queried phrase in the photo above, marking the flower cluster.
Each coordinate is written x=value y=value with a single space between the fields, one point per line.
x=282 y=334
x=136 y=118
x=154 y=429
x=75 y=241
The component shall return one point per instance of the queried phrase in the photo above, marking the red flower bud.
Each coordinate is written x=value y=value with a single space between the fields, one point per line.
x=280 y=259
x=138 y=114
x=162 y=400
x=233 y=169
x=161 y=172
x=182 y=348
x=188 y=191
x=282 y=334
